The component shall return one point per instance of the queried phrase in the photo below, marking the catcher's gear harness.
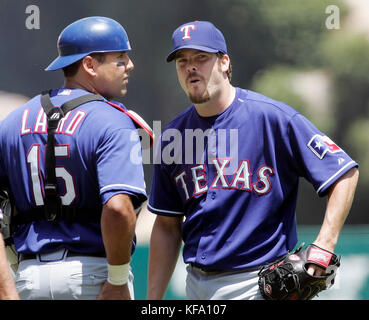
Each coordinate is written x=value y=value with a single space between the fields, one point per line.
x=53 y=210
x=288 y=279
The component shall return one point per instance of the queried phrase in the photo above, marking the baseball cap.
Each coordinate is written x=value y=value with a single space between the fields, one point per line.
x=199 y=35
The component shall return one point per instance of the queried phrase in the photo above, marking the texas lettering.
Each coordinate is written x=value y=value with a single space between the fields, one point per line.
x=195 y=178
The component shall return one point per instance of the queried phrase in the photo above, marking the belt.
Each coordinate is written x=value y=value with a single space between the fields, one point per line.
x=28 y=256
x=207 y=271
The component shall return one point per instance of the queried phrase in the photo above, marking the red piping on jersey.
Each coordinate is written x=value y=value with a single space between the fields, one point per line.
x=135 y=120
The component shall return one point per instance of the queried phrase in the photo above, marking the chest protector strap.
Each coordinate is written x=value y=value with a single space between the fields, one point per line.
x=53 y=210
x=53 y=204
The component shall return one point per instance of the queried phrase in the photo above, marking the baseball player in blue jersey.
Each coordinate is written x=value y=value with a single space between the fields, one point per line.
x=227 y=175
x=75 y=203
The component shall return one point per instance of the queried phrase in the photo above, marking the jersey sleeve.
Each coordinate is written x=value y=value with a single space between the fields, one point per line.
x=164 y=198
x=319 y=159
x=119 y=166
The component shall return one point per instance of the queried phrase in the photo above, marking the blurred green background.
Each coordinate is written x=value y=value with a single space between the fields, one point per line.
x=311 y=55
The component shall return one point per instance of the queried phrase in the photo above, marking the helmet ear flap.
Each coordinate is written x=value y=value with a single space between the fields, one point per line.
x=86 y=36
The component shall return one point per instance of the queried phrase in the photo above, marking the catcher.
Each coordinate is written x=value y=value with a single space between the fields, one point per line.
x=66 y=164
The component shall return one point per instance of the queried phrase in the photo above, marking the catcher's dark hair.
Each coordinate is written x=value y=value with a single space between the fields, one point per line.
x=71 y=70
x=229 y=71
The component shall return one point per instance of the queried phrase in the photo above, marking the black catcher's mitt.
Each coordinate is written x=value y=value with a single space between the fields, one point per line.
x=288 y=279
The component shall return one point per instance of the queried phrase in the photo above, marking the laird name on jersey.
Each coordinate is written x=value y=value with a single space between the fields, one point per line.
x=67 y=125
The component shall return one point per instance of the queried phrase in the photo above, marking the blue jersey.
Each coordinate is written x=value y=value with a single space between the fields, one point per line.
x=235 y=178
x=93 y=144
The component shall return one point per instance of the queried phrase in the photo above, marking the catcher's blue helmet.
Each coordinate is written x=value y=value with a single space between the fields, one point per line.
x=86 y=36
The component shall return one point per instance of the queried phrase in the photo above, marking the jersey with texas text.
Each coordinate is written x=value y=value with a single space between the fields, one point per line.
x=235 y=178
x=93 y=144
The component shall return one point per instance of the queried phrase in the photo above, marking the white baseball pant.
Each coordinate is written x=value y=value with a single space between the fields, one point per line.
x=55 y=276
x=202 y=285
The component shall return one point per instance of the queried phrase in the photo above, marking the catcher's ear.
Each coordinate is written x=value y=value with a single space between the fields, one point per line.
x=89 y=65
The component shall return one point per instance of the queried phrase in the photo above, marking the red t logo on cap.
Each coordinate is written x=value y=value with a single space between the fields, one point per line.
x=186 y=30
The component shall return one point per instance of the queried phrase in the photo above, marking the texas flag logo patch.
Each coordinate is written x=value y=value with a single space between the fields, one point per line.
x=320 y=145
